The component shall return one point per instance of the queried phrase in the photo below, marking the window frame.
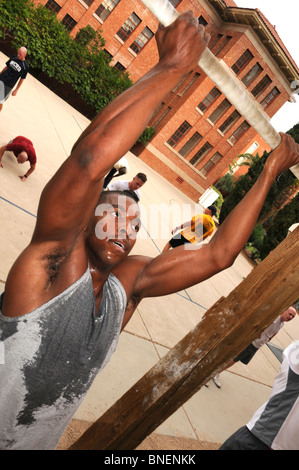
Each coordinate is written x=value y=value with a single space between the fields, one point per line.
x=268 y=100
x=252 y=74
x=181 y=131
x=137 y=47
x=242 y=62
x=53 y=6
x=210 y=164
x=103 y=10
x=201 y=153
x=214 y=94
x=261 y=86
x=68 y=22
x=219 y=111
x=230 y=121
x=190 y=144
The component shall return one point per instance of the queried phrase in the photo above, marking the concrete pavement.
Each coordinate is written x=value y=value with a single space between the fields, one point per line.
x=212 y=414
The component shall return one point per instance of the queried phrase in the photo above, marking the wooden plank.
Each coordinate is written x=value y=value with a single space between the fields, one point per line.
x=226 y=329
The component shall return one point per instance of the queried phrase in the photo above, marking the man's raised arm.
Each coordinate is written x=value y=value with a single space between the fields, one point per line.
x=180 y=46
x=194 y=265
x=72 y=193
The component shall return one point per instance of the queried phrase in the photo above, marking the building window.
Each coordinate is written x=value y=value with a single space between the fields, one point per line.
x=216 y=40
x=239 y=132
x=229 y=122
x=110 y=56
x=252 y=74
x=88 y=2
x=222 y=46
x=53 y=6
x=261 y=86
x=209 y=99
x=179 y=134
x=218 y=113
x=175 y=3
x=141 y=40
x=106 y=7
x=270 y=97
x=202 y=21
x=242 y=62
x=189 y=84
x=211 y=163
x=128 y=27
x=190 y=144
x=201 y=153
x=162 y=116
x=119 y=67
x=69 y=22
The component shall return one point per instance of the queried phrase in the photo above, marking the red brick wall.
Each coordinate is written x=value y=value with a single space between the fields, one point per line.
x=182 y=104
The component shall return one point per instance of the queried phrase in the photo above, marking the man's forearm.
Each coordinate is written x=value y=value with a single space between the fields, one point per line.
x=235 y=231
x=113 y=132
x=19 y=85
x=129 y=113
x=30 y=171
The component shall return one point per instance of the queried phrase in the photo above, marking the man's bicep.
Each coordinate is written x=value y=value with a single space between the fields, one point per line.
x=67 y=202
x=176 y=270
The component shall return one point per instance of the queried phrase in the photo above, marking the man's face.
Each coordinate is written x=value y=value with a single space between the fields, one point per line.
x=208 y=212
x=21 y=54
x=136 y=183
x=289 y=314
x=113 y=229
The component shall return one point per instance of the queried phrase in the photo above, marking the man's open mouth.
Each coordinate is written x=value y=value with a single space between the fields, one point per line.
x=120 y=245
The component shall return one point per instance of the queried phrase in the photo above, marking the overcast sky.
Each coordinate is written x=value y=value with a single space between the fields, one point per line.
x=284 y=15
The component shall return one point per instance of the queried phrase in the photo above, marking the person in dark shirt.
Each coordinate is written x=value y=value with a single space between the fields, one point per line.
x=23 y=150
x=16 y=69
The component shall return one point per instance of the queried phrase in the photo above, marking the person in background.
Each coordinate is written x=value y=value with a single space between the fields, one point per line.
x=120 y=168
x=134 y=185
x=16 y=69
x=275 y=425
x=248 y=353
x=195 y=231
x=24 y=151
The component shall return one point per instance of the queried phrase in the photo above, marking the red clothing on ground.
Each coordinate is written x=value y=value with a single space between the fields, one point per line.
x=20 y=144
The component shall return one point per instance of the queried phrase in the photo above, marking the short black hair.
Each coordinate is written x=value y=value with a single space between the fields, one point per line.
x=126 y=192
x=213 y=210
x=142 y=177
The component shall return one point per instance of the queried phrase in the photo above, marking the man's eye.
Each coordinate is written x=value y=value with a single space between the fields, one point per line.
x=116 y=214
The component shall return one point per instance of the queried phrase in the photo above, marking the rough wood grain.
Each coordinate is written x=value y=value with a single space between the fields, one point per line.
x=226 y=329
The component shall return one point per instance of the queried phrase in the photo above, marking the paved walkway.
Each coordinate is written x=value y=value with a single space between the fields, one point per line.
x=212 y=414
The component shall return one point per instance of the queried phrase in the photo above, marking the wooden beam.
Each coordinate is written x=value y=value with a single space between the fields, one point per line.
x=226 y=329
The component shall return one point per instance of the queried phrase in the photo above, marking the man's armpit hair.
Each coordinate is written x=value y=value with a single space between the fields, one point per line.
x=54 y=260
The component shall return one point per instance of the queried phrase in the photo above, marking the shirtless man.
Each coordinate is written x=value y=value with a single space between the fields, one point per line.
x=74 y=287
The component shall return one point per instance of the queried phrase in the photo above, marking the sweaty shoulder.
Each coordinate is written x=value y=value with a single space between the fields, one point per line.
x=129 y=271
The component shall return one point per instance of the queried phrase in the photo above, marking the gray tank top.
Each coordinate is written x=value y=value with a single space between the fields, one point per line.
x=51 y=357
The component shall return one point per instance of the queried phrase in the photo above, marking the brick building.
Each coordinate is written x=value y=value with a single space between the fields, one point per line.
x=198 y=132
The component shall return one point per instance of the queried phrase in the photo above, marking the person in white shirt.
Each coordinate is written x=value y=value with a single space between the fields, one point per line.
x=120 y=168
x=275 y=425
x=133 y=185
x=247 y=354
